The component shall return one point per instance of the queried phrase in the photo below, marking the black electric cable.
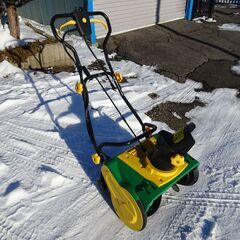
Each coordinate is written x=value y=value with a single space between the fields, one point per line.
x=65 y=47
x=115 y=106
x=103 y=88
x=117 y=86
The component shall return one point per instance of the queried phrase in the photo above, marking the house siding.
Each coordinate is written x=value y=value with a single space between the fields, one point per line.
x=172 y=9
x=126 y=15
x=43 y=10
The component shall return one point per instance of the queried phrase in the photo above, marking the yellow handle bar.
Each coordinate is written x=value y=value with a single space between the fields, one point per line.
x=72 y=22
x=92 y=20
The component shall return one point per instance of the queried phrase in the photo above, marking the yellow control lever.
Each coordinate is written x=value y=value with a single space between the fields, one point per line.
x=69 y=23
x=93 y=20
x=72 y=22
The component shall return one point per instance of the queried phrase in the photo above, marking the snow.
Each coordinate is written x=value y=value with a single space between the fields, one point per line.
x=236 y=68
x=48 y=181
x=230 y=27
x=203 y=19
x=6 y=68
x=26 y=35
x=16 y=196
x=3 y=170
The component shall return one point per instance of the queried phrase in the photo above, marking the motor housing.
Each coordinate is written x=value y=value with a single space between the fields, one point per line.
x=168 y=145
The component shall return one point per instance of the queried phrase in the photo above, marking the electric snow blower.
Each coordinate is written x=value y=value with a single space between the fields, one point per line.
x=138 y=177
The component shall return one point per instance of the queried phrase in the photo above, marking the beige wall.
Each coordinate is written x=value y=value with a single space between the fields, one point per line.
x=126 y=15
x=172 y=9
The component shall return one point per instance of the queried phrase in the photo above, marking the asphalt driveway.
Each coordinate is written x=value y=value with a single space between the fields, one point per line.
x=186 y=49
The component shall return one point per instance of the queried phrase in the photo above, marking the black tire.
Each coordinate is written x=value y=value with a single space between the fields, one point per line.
x=189 y=179
x=144 y=215
x=101 y=184
x=154 y=206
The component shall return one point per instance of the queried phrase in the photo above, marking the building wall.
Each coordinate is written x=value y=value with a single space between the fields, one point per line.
x=126 y=15
x=172 y=9
x=43 y=10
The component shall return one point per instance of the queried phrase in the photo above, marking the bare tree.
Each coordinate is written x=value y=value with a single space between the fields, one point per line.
x=1 y=7
x=1 y=10
x=13 y=20
x=13 y=16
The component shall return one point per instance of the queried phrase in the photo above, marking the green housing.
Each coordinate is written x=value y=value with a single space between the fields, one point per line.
x=140 y=188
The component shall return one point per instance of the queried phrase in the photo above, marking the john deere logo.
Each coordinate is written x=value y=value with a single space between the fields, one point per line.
x=178 y=136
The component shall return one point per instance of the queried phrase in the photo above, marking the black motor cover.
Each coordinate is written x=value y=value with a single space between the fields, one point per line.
x=169 y=144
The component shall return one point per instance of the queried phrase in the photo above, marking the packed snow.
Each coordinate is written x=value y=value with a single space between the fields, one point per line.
x=204 y=19
x=230 y=27
x=48 y=181
x=6 y=68
x=236 y=68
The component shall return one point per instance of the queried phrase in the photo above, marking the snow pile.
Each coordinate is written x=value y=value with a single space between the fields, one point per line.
x=204 y=19
x=26 y=35
x=48 y=184
x=236 y=68
x=6 y=68
x=230 y=27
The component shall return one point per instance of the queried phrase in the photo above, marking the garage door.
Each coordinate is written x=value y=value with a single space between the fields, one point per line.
x=172 y=9
x=126 y=15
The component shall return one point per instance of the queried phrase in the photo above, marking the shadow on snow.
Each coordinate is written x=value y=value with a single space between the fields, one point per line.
x=76 y=136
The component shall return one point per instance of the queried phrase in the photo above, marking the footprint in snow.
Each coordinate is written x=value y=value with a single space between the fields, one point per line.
x=13 y=194
x=51 y=178
x=3 y=170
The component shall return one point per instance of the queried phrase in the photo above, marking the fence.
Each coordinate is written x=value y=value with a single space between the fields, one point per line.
x=199 y=8
x=228 y=2
x=203 y=8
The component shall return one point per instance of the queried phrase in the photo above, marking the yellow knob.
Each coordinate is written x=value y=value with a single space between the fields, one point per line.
x=177 y=160
x=79 y=88
x=84 y=20
x=118 y=76
x=96 y=158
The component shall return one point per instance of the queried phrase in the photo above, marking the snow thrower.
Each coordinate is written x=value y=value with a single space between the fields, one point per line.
x=153 y=163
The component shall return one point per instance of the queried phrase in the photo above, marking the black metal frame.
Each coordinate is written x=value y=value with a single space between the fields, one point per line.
x=203 y=8
x=237 y=2
x=147 y=128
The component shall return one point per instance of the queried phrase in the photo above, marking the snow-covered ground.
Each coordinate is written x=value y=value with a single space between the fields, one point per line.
x=236 y=68
x=230 y=27
x=47 y=178
x=26 y=35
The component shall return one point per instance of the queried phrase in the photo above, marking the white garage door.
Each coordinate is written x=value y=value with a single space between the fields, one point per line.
x=172 y=9
x=126 y=15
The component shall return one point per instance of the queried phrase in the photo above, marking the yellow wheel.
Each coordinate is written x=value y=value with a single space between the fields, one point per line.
x=130 y=212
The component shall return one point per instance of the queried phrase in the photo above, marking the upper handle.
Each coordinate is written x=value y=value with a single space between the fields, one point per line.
x=81 y=19
x=72 y=22
x=53 y=21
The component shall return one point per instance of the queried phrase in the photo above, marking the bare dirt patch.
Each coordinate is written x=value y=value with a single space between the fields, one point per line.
x=19 y=54
x=173 y=113
x=97 y=65
x=153 y=95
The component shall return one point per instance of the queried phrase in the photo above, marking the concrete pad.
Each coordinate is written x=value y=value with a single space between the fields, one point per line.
x=217 y=74
x=179 y=49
